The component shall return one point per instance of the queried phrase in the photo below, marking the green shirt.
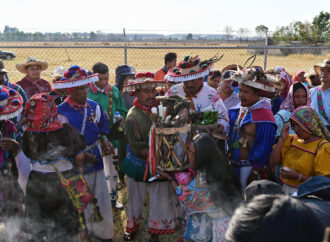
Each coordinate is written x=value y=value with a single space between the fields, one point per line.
x=102 y=97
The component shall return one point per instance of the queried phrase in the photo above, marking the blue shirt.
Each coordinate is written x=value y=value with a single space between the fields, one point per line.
x=265 y=133
x=326 y=103
x=92 y=130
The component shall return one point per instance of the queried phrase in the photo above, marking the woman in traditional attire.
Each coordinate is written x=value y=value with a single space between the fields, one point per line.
x=52 y=148
x=299 y=95
x=305 y=154
x=211 y=197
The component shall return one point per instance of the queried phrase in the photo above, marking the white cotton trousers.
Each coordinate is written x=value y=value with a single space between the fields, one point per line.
x=98 y=187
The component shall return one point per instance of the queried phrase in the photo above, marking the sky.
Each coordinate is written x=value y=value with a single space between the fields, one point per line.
x=157 y=16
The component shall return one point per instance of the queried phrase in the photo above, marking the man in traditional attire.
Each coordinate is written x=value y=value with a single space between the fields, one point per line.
x=111 y=101
x=189 y=74
x=252 y=126
x=89 y=119
x=321 y=94
x=137 y=126
x=32 y=83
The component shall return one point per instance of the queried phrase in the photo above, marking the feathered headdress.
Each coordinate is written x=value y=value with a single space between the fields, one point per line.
x=191 y=68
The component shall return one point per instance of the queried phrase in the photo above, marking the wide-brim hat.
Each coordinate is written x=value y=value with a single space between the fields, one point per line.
x=317 y=68
x=143 y=80
x=232 y=67
x=2 y=67
x=11 y=103
x=318 y=186
x=310 y=73
x=256 y=78
x=75 y=77
x=191 y=68
x=31 y=61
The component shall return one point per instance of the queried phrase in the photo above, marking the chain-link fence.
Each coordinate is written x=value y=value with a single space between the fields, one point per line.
x=150 y=56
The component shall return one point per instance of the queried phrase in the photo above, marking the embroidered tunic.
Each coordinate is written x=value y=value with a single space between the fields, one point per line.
x=90 y=127
x=260 y=113
x=309 y=159
x=206 y=97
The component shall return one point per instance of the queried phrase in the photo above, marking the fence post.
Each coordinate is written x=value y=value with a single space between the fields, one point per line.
x=125 y=48
x=266 y=51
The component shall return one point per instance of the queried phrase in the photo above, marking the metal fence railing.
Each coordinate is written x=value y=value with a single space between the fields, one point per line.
x=151 y=58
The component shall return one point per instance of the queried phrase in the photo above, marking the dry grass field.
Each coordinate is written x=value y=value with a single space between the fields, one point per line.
x=143 y=59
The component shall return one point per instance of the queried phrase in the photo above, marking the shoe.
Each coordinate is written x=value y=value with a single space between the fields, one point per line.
x=117 y=205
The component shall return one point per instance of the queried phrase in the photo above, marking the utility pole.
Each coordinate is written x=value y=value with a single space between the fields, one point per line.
x=125 y=48
x=266 y=50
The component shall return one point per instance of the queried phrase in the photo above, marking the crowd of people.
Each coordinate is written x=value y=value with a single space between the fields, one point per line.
x=259 y=170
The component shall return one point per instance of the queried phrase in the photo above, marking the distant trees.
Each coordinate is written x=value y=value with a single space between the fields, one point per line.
x=306 y=32
x=242 y=33
x=261 y=31
x=189 y=36
x=228 y=30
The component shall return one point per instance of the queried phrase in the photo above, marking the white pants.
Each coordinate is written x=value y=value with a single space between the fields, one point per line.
x=98 y=187
x=162 y=206
x=111 y=176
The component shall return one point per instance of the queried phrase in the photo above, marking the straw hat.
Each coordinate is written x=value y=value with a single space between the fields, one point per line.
x=32 y=61
x=256 y=78
x=75 y=77
x=325 y=64
x=143 y=80
x=310 y=73
x=232 y=67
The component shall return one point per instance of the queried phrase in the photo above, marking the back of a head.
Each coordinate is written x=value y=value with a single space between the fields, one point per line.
x=274 y=218
x=260 y=187
x=223 y=183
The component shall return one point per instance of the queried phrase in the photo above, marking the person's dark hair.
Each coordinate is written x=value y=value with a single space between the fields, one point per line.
x=100 y=68
x=225 y=187
x=64 y=142
x=215 y=74
x=170 y=57
x=297 y=86
x=274 y=218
